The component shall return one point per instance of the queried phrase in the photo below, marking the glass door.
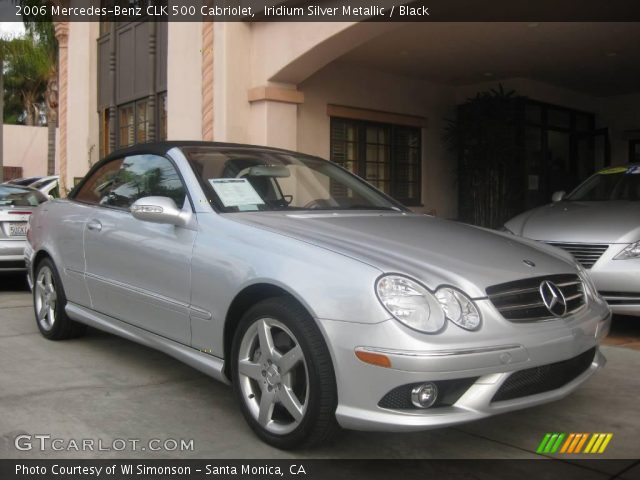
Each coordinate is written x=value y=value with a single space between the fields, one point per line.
x=634 y=151
x=593 y=153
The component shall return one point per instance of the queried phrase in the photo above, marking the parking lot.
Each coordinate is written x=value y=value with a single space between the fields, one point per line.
x=102 y=387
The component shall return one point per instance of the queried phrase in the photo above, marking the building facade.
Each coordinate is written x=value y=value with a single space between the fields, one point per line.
x=374 y=97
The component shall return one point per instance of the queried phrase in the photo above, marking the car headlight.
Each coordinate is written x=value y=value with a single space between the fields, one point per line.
x=416 y=307
x=410 y=303
x=631 y=251
x=458 y=308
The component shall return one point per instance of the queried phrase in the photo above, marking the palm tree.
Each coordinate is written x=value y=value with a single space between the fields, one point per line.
x=44 y=33
x=42 y=30
x=26 y=75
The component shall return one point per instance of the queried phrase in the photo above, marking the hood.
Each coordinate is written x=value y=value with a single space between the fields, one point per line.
x=435 y=251
x=581 y=222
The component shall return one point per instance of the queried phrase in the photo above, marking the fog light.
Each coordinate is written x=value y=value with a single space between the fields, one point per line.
x=425 y=395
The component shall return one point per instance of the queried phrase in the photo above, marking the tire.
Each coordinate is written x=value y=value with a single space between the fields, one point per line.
x=288 y=396
x=49 y=301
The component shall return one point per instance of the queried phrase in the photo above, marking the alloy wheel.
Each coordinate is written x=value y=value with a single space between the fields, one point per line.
x=273 y=374
x=45 y=298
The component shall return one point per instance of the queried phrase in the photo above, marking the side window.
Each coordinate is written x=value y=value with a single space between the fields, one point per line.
x=55 y=191
x=144 y=176
x=99 y=184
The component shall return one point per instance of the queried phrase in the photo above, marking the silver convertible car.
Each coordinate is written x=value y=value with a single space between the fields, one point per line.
x=599 y=224
x=320 y=299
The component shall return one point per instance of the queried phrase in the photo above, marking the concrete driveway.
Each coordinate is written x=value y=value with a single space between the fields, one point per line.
x=104 y=388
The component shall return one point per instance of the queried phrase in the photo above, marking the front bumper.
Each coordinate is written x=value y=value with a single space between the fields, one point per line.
x=11 y=255
x=361 y=386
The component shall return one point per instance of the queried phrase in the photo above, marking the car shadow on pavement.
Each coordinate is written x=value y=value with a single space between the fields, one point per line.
x=625 y=332
x=13 y=282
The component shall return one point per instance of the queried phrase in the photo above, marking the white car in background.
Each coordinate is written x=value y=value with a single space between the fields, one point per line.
x=49 y=185
x=599 y=224
x=16 y=206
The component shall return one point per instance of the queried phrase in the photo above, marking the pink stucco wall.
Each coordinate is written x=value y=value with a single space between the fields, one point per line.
x=26 y=147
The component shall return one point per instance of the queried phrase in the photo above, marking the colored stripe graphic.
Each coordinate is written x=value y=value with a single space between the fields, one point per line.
x=573 y=443
x=550 y=443
x=581 y=443
x=568 y=442
x=556 y=445
x=598 y=442
x=543 y=443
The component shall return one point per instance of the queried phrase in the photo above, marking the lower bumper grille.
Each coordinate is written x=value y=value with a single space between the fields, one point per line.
x=585 y=253
x=621 y=298
x=544 y=378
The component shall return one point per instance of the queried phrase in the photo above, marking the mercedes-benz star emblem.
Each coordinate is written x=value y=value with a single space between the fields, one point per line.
x=553 y=298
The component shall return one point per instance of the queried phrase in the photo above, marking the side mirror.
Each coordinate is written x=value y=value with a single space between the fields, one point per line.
x=158 y=210
x=558 y=196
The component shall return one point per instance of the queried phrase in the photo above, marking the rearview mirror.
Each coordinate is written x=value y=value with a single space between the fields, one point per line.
x=273 y=171
x=158 y=210
x=558 y=196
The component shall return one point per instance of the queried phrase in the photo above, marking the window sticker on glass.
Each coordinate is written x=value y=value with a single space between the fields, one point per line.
x=236 y=192
x=612 y=170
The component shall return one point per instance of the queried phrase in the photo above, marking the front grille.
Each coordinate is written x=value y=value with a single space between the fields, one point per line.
x=449 y=391
x=521 y=301
x=544 y=378
x=585 y=253
x=621 y=298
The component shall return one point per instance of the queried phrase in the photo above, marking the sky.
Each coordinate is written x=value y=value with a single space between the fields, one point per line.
x=11 y=29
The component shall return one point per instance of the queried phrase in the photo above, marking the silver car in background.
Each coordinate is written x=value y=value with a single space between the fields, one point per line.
x=16 y=205
x=321 y=299
x=49 y=185
x=599 y=224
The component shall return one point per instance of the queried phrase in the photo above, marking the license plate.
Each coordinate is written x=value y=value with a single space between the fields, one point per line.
x=18 y=229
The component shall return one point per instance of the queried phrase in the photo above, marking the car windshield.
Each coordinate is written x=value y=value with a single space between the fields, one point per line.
x=617 y=183
x=239 y=180
x=11 y=196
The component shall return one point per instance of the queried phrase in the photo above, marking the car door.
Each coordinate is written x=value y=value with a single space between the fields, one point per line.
x=139 y=272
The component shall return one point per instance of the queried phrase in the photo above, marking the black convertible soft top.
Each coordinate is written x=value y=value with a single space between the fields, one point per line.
x=161 y=148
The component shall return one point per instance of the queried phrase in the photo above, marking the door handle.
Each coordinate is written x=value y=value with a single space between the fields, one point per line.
x=94 y=225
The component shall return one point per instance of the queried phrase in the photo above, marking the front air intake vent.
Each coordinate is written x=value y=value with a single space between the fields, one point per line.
x=587 y=254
